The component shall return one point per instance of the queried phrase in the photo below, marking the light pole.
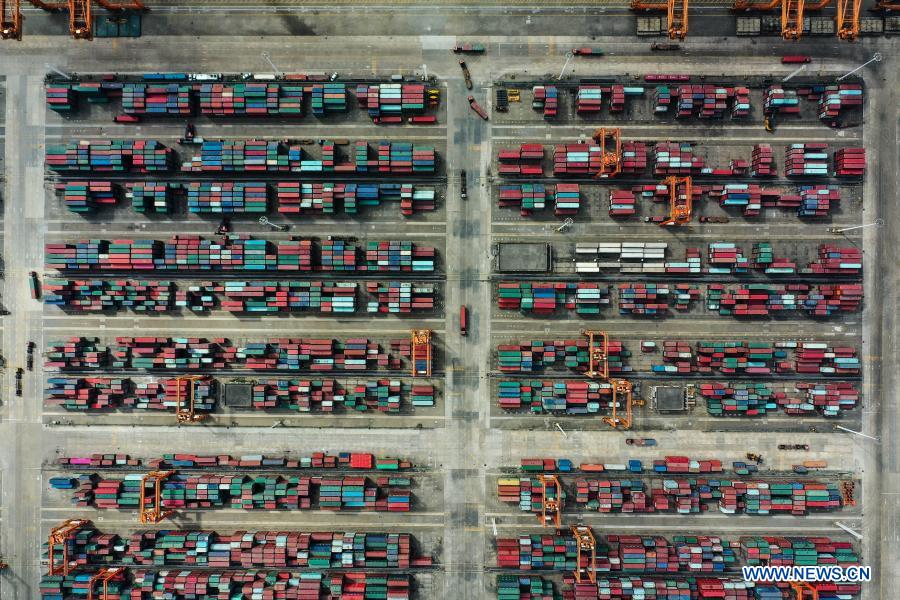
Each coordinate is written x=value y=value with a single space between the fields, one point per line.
x=859 y=433
x=569 y=56
x=561 y=430
x=855 y=534
x=795 y=72
x=425 y=72
x=266 y=221
x=875 y=58
x=875 y=223
x=57 y=71
x=268 y=58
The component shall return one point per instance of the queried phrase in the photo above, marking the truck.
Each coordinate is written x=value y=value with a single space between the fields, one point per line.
x=19 y=373
x=663 y=47
x=466 y=74
x=29 y=364
x=587 y=51
x=463 y=320
x=35 y=284
x=127 y=119
x=477 y=108
x=795 y=59
x=463 y=193
x=468 y=49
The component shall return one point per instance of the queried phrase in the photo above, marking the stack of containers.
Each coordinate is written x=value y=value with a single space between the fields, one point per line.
x=674 y=158
x=527 y=197
x=705 y=100
x=86 y=196
x=338 y=255
x=568 y=397
x=837 y=97
x=749 y=196
x=588 y=99
x=61 y=98
x=546 y=99
x=649 y=299
x=286 y=296
x=156 y=99
x=576 y=159
x=76 y=353
x=399 y=297
x=545 y=298
x=238 y=155
x=850 y=162
x=741 y=106
x=227 y=197
x=778 y=100
x=815 y=357
x=520 y=587
x=762 y=161
x=818 y=200
x=726 y=257
x=142 y=156
x=106 y=295
x=763 y=257
x=572 y=354
x=149 y=196
x=806 y=160
x=85 y=394
x=737 y=399
x=391 y=100
x=621 y=203
x=525 y=160
x=328 y=98
x=567 y=199
x=834 y=259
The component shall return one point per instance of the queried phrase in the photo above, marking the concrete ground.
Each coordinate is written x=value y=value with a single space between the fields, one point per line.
x=468 y=442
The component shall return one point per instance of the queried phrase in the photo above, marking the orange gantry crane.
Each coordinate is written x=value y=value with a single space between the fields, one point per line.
x=10 y=20
x=681 y=200
x=847 y=19
x=103 y=576
x=421 y=351
x=793 y=11
x=185 y=413
x=153 y=511
x=59 y=536
x=622 y=389
x=551 y=500
x=587 y=549
x=81 y=20
x=801 y=587
x=610 y=142
x=676 y=10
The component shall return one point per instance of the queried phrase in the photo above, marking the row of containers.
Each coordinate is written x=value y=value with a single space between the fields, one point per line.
x=343 y=298
x=234 y=252
x=807 y=160
x=294 y=98
x=151 y=156
x=586 y=299
x=684 y=357
x=198 y=354
x=619 y=488
x=720 y=398
x=721 y=258
x=806 y=201
x=703 y=101
x=307 y=199
x=213 y=395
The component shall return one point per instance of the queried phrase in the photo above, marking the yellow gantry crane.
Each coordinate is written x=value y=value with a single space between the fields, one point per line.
x=676 y=11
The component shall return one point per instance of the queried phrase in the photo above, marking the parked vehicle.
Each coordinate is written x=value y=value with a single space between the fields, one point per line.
x=587 y=51
x=35 y=284
x=640 y=441
x=662 y=47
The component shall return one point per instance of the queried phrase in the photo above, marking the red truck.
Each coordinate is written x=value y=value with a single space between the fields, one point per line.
x=477 y=108
x=463 y=320
x=795 y=59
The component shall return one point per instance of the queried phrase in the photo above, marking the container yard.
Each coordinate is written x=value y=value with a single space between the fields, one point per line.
x=449 y=300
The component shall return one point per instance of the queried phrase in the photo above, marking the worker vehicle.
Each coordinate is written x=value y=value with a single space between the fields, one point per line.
x=19 y=373
x=35 y=284
x=477 y=108
x=434 y=96
x=640 y=442
x=795 y=59
x=127 y=119
x=462 y=185
x=587 y=51
x=463 y=320
x=224 y=226
x=711 y=219
x=769 y=124
x=755 y=458
x=793 y=446
x=466 y=74
x=662 y=47
x=514 y=95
